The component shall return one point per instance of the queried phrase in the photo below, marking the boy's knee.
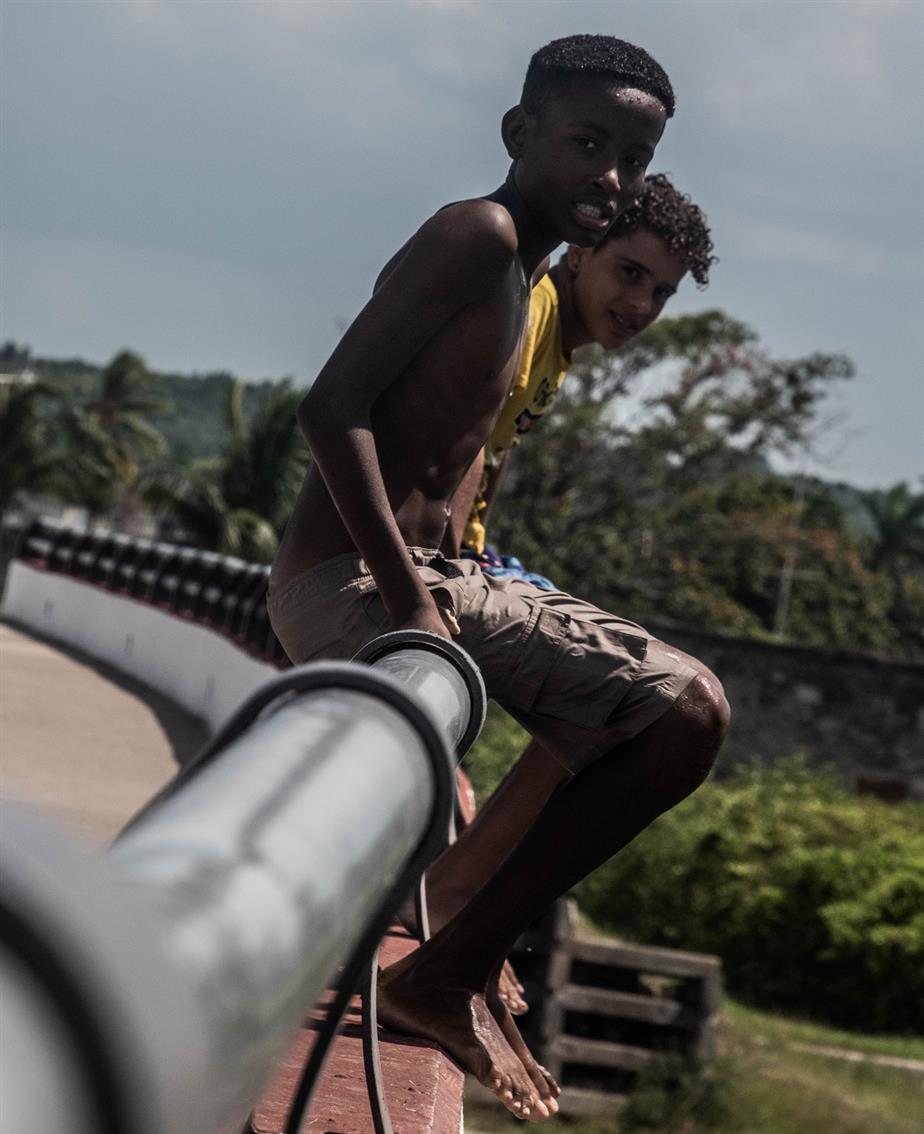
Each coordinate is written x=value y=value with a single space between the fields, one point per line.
x=702 y=709
x=701 y=716
x=707 y=707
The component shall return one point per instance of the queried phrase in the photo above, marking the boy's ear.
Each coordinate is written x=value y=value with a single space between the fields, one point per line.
x=513 y=131
x=575 y=257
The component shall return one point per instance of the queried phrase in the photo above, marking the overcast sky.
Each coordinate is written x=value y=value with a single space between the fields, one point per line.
x=216 y=183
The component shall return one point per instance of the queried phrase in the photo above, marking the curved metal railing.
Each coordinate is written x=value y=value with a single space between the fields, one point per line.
x=167 y=978
x=219 y=591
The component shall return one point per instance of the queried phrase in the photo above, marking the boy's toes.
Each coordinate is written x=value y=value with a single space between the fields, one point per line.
x=511 y=991
x=540 y=1111
x=515 y=1005
x=553 y=1089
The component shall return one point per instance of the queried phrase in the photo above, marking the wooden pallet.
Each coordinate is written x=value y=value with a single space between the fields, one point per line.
x=602 y=1010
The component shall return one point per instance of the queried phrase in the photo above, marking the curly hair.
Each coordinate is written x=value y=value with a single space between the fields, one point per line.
x=671 y=215
x=577 y=57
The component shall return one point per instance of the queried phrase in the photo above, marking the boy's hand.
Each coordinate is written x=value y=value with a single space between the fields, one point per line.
x=431 y=618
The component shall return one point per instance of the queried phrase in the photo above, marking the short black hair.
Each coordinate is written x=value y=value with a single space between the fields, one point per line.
x=670 y=214
x=563 y=61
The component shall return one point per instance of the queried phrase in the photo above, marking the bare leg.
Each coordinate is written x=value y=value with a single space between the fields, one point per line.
x=484 y=844
x=595 y=813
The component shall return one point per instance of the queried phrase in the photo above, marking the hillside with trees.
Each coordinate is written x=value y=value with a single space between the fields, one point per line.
x=650 y=485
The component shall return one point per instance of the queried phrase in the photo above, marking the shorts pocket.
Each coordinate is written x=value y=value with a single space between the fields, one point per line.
x=374 y=610
x=537 y=649
x=593 y=671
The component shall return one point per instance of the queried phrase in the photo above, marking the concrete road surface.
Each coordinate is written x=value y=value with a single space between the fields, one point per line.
x=82 y=741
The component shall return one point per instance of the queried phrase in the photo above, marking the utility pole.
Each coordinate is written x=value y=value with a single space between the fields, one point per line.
x=784 y=596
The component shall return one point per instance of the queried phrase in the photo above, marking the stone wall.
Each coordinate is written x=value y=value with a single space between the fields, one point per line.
x=860 y=712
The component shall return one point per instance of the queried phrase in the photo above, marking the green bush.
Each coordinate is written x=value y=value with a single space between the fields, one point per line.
x=813 y=898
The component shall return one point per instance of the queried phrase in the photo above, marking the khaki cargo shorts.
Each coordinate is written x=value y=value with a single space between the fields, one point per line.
x=581 y=681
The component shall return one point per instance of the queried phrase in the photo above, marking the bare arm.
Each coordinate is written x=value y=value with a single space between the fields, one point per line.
x=495 y=474
x=463 y=500
x=449 y=264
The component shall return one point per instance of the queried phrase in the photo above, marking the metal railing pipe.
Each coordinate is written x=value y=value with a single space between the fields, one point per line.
x=227 y=905
x=439 y=674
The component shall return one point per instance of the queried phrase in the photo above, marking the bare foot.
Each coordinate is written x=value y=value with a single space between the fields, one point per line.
x=543 y=1081
x=438 y=913
x=460 y=1021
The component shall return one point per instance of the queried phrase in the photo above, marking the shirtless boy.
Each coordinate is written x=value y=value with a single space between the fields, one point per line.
x=394 y=420
x=608 y=294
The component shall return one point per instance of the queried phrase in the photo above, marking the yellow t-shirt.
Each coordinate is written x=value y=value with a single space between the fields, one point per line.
x=540 y=373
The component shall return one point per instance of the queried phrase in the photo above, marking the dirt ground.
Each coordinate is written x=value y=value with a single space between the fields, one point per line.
x=82 y=741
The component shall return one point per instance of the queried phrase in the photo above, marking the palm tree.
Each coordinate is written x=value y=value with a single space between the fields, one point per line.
x=26 y=440
x=127 y=392
x=264 y=466
x=198 y=513
x=239 y=503
x=50 y=445
x=898 y=519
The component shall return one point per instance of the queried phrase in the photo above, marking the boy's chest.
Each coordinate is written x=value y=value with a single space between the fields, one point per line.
x=472 y=362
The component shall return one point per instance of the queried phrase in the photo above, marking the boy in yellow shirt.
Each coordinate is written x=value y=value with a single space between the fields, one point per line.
x=605 y=294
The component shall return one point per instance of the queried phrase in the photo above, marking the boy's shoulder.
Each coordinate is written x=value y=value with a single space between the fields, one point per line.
x=475 y=230
x=456 y=255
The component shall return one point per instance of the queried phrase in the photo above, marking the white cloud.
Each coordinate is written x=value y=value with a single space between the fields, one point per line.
x=472 y=11
x=790 y=68
x=791 y=243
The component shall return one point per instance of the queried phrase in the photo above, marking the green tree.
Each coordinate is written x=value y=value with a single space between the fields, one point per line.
x=265 y=463
x=239 y=503
x=674 y=512
x=50 y=447
x=898 y=517
x=117 y=414
x=617 y=506
x=13 y=357
x=896 y=551
x=730 y=404
x=27 y=441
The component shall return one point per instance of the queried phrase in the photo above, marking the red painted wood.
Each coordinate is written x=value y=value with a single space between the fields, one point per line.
x=422 y=1085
